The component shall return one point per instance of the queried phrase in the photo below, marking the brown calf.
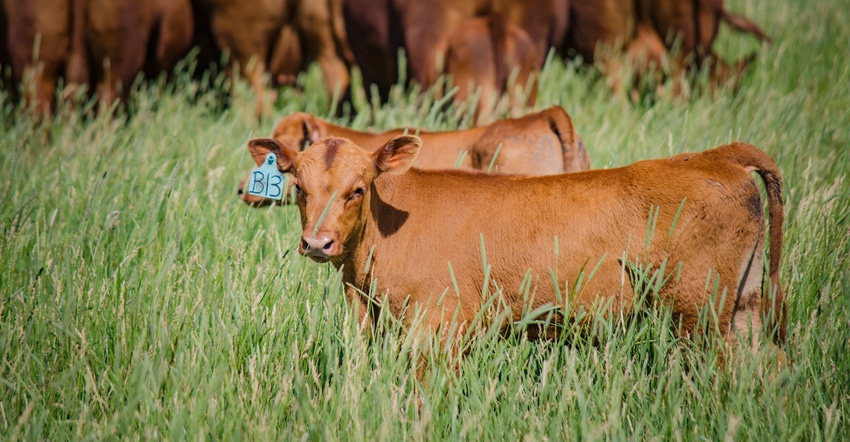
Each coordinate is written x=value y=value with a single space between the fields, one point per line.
x=417 y=235
x=541 y=143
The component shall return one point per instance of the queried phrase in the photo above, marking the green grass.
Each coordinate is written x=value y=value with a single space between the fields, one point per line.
x=140 y=299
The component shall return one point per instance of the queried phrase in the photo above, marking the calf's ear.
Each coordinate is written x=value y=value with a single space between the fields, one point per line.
x=260 y=147
x=398 y=155
x=310 y=128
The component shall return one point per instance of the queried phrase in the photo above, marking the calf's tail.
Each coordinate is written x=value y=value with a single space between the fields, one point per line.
x=751 y=159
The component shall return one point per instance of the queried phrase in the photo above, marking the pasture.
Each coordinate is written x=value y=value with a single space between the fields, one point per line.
x=141 y=299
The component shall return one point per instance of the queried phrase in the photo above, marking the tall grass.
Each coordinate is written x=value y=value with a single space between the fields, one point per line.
x=140 y=299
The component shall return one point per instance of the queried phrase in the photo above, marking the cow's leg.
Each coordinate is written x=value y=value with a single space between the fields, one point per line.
x=747 y=323
x=77 y=69
x=435 y=323
x=39 y=82
x=253 y=70
x=647 y=56
x=316 y=23
x=175 y=34
x=287 y=59
x=722 y=73
x=362 y=309
x=39 y=42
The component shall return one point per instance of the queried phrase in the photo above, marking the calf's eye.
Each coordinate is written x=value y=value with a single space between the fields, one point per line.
x=358 y=192
x=297 y=188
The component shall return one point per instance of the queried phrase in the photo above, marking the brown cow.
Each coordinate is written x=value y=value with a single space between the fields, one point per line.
x=694 y=26
x=378 y=29
x=102 y=40
x=39 y=41
x=417 y=236
x=602 y=30
x=280 y=37
x=545 y=21
x=541 y=143
x=481 y=54
x=115 y=37
x=4 y=46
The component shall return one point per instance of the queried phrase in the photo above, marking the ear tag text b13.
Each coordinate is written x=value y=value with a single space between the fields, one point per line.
x=266 y=181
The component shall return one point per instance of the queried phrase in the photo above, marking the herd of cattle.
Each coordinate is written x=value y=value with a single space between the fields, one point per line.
x=105 y=44
x=432 y=219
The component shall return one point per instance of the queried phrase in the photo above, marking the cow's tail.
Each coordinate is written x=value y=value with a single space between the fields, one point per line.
x=575 y=155
x=751 y=159
x=497 y=26
x=743 y=24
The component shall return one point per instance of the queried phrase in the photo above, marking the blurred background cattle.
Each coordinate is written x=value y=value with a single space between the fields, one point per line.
x=105 y=44
x=271 y=41
x=488 y=47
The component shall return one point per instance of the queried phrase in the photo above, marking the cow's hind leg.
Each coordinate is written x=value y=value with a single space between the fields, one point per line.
x=747 y=324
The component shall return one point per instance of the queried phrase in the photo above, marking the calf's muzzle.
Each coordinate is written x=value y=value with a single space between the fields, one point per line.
x=318 y=248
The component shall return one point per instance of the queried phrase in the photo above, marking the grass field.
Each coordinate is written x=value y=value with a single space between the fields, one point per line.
x=140 y=299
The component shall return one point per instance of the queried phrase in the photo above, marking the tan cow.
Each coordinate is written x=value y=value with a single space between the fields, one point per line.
x=415 y=236
x=541 y=143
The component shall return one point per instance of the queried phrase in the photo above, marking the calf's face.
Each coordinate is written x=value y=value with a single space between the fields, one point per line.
x=333 y=183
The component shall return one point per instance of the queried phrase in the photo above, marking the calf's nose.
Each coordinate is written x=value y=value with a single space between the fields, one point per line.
x=316 y=245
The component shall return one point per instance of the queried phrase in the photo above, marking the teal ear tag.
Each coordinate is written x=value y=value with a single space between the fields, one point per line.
x=266 y=181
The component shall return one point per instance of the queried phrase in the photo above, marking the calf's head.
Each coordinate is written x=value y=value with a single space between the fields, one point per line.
x=299 y=130
x=333 y=184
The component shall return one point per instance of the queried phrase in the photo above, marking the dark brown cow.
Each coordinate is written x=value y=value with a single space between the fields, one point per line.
x=39 y=44
x=541 y=143
x=104 y=41
x=378 y=29
x=696 y=23
x=4 y=46
x=416 y=236
x=481 y=54
x=603 y=30
x=694 y=26
x=123 y=38
x=281 y=37
x=545 y=21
